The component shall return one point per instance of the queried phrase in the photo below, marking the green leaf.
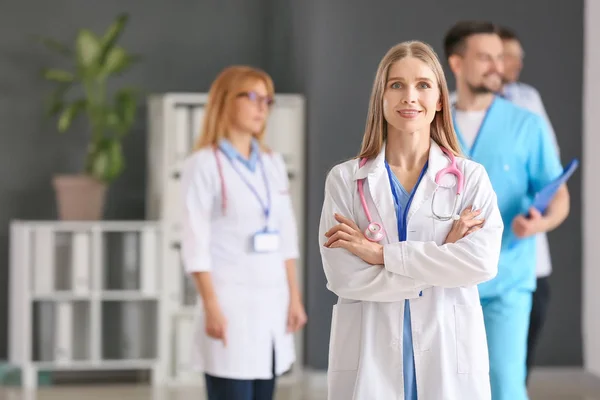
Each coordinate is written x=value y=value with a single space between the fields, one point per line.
x=58 y=75
x=54 y=45
x=111 y=36
x=56 y=100
x=99 y=165
x=88 y=49
x=117 y=161
x=113 y=122
x=68 y=115
x=108 y=160
x=125 y=107
x=117 y=61
x=54 y=107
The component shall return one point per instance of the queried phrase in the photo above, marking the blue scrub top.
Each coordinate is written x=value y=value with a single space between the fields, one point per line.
x=516 y=149
x=402 y=200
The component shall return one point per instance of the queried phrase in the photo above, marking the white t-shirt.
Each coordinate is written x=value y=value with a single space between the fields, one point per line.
x=469 y=123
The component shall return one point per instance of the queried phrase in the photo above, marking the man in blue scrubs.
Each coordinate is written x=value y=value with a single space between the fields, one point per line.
x=514 y=146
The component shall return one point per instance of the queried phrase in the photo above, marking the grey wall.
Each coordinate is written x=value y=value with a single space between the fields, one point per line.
x=328 y=50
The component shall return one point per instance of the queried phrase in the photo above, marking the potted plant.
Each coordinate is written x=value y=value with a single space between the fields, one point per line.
x=84 y=91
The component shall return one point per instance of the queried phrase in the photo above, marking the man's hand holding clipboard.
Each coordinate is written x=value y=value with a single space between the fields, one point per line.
x=522 y=225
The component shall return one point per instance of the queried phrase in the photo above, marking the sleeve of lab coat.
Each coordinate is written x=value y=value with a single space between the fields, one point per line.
x=197 y=188
x=289 y=229
x=347 y=275
x=471 y=260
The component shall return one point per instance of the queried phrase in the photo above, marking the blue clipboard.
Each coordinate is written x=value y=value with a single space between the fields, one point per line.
x=542 y=199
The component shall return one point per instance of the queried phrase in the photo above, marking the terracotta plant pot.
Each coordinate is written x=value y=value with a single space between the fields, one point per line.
x=79 y=197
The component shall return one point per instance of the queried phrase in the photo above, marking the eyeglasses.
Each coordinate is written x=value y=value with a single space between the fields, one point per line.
x=257 y=98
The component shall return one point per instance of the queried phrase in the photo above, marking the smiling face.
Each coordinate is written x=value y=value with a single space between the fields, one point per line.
x=481 y=65
x=411 y=97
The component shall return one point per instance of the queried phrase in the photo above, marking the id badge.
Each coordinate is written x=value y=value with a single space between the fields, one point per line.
x=265 y=242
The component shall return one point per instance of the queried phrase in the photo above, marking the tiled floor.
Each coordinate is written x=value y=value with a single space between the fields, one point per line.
x=545 y=385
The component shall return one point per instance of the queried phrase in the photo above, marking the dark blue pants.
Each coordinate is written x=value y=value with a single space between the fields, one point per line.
x=539 y=310
x=238 y=389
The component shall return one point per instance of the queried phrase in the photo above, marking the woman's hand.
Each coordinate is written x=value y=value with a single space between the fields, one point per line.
x=347 y=235
x=465 y=225
x=215 y=322
x=296 y=315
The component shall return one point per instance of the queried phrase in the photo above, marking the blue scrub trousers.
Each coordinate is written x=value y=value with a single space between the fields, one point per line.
x=408 y=359
x=507 y=325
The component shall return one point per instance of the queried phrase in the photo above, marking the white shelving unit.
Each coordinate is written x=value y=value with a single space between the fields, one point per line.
x=84 y=296
x=174 y=121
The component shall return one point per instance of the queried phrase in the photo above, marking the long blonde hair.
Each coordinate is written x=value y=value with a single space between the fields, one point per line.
x=442 y=130
x=223 y=92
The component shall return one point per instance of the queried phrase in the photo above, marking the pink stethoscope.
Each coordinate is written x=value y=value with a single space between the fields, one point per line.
x=222 y=180
x=374 y=231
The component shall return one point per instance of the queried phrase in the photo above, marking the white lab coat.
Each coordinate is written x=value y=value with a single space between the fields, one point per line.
x=450 y=347
x=252 y=288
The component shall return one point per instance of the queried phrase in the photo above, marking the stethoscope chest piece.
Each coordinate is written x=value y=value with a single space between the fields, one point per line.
x=374 y=232
x=454 y=216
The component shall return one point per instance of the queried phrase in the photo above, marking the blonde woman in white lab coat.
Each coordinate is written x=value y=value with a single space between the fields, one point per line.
x=240 y=243
x=408 y=323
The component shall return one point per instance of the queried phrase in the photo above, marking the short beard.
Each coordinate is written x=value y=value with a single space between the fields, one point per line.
x=481 y=89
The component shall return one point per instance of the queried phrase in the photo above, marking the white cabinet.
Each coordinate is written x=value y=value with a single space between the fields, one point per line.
x=174 y=122
x=84 y=296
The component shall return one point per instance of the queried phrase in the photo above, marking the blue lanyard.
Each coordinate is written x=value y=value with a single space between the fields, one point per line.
x=266 y=207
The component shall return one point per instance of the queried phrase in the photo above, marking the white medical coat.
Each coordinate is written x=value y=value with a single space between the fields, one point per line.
x=450 y=347
x=252 y=288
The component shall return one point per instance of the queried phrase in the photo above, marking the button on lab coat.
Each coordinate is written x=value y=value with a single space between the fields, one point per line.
x=251 y=288
x=450 y=348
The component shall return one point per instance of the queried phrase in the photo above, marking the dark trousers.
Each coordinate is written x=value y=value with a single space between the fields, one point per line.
x=539 y=309
x=239 y=389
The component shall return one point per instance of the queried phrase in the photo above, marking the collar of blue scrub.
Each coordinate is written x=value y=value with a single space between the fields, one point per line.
x=470 y=151
x=227 y=148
